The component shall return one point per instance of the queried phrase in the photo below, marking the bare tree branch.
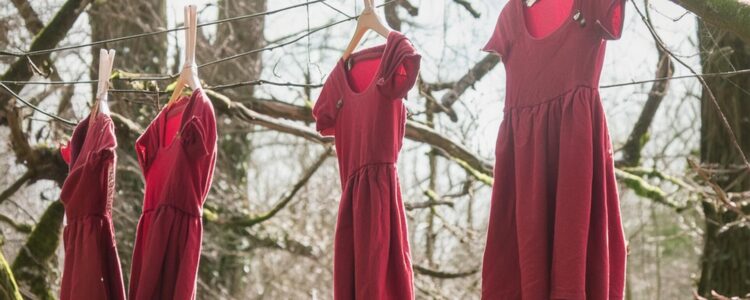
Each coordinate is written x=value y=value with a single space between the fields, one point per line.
x=442 y=274
x=476 y=73
x=13 y=188
x=638 y=136
x=467 y=5
x=235 y=109
x=731 y=15
x=53 y=33
x=254 y=220
x=24 y=228
x=33 y=23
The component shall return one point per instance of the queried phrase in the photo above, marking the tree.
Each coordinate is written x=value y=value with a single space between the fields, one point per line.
x=725 y=266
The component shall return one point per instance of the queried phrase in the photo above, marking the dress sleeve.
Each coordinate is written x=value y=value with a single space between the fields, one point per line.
x=65 y=152
x=198 y=135
x=609 y=16
x=145 y=149
x=327 y=106
x=500 y=40
x=399 y=78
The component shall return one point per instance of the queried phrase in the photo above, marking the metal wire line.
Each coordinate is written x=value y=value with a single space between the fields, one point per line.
x=167 y=77
x=146 y=34
x=34 y=107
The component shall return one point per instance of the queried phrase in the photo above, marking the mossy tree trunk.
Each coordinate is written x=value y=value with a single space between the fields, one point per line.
x=34 y=265
x=725 y=265
x=116 y=18
x=8 y=286
x=228 y=271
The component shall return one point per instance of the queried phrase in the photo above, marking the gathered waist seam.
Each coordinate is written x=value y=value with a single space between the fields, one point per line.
x=547 y=100
x=163 y=205
x=365 y=166
x=84 y=216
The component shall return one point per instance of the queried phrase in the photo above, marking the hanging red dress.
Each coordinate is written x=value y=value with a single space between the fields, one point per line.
x=92 y=266
x=177 y=153
x=362 y=107
x=555 y=230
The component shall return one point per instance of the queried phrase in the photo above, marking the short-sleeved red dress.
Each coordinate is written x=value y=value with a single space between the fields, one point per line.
x=555 y=230
x=92 y=265
x=177 y=153
x=361 y=105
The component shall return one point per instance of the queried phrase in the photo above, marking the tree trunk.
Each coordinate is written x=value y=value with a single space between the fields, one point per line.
x=48 y=38
x=228 y=271
x=33 y=265
x=111 y=19
x=8 y=286
x=725 y=265
x=233 y=38
x=730 y=15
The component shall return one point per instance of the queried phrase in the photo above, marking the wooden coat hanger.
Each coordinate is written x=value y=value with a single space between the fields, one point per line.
x=189 y=73
x=368 y=20
x=106 y=60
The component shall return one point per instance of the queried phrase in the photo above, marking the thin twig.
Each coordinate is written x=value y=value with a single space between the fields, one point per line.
x=27 y=103
x=16 y=185
x=147 y=34
x=725 y=121
x=708 y=75
x=251 y=221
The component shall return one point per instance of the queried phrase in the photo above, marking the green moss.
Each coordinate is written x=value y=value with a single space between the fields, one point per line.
x=479 y=175
x=8 y=285
x=31 y=266
x=644 y=189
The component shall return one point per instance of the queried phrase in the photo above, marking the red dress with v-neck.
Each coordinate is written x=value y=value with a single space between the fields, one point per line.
x=177 y=153
x=362 y=107
x=555 y=230
x=92 y=265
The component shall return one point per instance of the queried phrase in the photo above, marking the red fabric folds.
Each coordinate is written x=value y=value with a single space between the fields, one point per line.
x=92 y=265
x=177 y=159
x=363 y=108
x=555 y=230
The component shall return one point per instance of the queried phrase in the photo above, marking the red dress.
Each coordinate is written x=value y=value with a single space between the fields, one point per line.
x=92 y=266
x=555 y=230
x=177 y=153
x=363 y=109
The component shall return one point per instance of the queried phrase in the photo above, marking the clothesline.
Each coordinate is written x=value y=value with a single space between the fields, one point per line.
x=168 y=77
x=720 y=74
x=173 y=76
x=29 y=104
x=261 y=82
x=221 y=87
x=269 y=48
x=147 y=34
x=232 y=57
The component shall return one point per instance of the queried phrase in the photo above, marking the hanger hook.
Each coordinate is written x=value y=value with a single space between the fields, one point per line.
x=369 y=4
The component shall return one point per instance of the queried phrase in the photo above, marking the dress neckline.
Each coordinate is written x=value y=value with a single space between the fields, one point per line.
x=560 y=28
x=382 y=49
x=186 y=105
